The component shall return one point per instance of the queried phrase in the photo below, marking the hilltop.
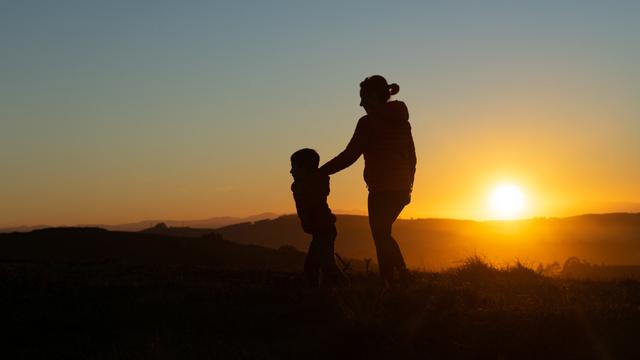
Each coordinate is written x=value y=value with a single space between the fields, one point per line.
x=95 y=245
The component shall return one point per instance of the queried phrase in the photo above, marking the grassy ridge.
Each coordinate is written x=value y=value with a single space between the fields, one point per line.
x=109 y=311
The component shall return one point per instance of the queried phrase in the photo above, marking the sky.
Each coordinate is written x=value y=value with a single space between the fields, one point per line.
x=119 y=111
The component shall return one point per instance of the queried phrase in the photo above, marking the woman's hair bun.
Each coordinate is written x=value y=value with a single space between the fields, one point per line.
x=394 y=89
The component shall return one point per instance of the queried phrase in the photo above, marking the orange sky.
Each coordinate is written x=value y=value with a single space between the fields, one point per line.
x=192 y=111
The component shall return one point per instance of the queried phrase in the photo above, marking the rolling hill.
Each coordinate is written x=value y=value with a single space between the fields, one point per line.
x=613 y=239
x=95 y=245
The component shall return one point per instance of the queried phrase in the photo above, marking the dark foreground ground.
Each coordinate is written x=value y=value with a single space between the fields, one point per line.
x=114 y=311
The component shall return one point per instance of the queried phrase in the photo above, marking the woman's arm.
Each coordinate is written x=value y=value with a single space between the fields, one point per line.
x=350 y=154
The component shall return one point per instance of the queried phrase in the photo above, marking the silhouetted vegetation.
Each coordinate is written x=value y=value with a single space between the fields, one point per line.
x=109 y=310
x=582 y=269
x=91 y=293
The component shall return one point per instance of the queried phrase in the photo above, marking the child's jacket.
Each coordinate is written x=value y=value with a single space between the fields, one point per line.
x=310 y=194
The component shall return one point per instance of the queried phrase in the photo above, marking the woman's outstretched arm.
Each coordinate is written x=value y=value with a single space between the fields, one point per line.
x=350 y=154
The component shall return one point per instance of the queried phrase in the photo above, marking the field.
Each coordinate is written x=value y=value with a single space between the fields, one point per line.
x=116 y=311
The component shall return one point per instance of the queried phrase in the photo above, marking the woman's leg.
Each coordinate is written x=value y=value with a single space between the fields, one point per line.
x=384 y=209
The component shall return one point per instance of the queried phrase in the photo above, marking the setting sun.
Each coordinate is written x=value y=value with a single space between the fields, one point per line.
x=506 y=201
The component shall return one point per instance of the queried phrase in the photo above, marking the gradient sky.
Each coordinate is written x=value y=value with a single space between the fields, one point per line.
x=118 y=111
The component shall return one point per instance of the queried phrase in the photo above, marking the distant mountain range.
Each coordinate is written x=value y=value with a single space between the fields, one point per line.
x=613 y=238
x=432 y=244
x=214 y=222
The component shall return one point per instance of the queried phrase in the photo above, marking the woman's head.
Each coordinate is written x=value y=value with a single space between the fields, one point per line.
x=375 y=91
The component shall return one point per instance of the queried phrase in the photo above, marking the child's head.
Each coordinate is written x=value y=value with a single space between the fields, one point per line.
x=304 y=161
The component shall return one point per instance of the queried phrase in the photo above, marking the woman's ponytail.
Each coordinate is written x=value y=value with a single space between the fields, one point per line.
x=394 y=89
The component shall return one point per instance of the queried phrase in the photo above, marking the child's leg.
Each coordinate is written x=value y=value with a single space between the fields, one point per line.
x=312 y=262
x=328 y=263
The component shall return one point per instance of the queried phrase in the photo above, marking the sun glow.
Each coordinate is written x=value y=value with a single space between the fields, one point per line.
x=507 y=202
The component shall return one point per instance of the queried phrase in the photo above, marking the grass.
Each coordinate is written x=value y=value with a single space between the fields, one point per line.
x=107 y=311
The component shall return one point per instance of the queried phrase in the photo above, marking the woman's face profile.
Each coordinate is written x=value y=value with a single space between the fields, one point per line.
x=369 y=101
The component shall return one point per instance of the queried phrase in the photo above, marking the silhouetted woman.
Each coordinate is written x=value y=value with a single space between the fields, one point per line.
x=384 y=137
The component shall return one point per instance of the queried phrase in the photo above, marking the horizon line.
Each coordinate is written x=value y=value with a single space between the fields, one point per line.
x=276 y=215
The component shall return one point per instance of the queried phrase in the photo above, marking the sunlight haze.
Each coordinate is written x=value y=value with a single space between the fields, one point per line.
x=507 y=201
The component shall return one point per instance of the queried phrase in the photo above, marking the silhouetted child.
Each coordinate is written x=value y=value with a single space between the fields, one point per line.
x=310 y=190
